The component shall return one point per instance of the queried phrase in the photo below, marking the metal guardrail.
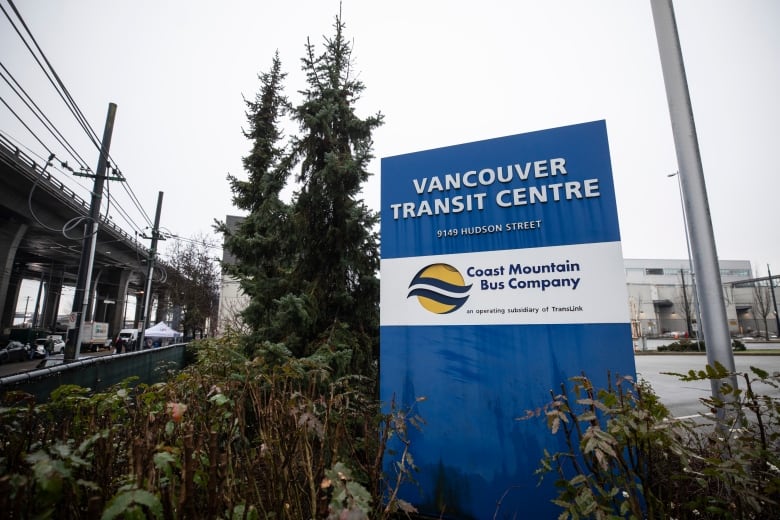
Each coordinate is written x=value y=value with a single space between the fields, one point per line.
x=33 y=171
x=96 y=373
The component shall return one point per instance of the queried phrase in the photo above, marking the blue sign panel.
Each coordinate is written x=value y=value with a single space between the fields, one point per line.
x=502 y=277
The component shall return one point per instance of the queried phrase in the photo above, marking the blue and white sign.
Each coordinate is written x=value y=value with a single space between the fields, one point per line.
x=502 y=277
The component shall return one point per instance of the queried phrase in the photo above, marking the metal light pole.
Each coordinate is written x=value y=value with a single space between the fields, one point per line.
x=690 y=263
x=694 y=194
x=774 y=298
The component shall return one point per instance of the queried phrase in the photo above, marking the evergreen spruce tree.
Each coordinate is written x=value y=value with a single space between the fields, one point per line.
x=335 y=239
x=310 y=267
x=258 y=243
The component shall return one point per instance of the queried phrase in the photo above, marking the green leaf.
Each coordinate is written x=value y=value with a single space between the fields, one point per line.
x=762 y=374
x=127 y=501
x=163 y=460
x=219 y=399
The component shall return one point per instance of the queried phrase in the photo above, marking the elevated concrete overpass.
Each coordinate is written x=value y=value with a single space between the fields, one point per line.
x=35 y=243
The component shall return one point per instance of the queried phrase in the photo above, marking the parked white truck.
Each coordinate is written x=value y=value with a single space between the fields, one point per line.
x=94 y=336
x=130 y=338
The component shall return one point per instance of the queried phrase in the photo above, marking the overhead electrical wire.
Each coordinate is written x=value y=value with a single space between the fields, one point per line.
x=66 y=96
x=62 y=90
x=75 y=112
x=120 y=211
x=53 y=165
x=83 y=122
x=24 y=124
x=136 y=203
x=72 y=106
x=38 y=113
x=205 y=243
x=68 y=226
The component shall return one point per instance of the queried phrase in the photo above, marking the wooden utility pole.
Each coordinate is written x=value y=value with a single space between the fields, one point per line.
x=81 y=298
x=149 y=272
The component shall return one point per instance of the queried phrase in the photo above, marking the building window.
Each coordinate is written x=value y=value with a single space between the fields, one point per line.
x=654 y=271
x=735 y=272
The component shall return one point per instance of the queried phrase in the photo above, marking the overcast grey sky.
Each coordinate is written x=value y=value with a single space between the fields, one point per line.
x=442 y=73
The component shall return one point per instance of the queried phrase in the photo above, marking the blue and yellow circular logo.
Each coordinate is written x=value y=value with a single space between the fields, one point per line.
x=439 y=288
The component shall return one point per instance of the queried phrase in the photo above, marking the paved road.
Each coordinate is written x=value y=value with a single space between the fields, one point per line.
x=682 y=398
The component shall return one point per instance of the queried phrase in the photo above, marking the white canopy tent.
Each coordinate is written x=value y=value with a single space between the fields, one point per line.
x=161 y=330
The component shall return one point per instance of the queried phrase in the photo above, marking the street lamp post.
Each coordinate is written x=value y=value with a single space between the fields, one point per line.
x=774 y=298
x=694 y=191
x=699 y=323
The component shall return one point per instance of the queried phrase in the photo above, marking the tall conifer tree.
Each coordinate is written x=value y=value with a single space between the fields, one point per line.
x=338 y=253
x=310 y=267
x=258 y=243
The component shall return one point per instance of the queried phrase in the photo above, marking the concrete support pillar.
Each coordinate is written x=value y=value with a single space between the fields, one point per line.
x=111 y=299
x=103 y=306
x=139 y=303
x=12 y=296
x=35 y=320
x=51 y=301
x=11 y=235
x=177 y=318
x=163 y=302
x=92 y=313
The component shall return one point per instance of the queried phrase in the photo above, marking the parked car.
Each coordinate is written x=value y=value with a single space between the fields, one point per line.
x=14 y=351
x=57 y=347
x=36 y=351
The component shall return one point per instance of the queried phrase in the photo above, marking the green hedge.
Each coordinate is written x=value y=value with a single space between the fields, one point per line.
x=686 y=345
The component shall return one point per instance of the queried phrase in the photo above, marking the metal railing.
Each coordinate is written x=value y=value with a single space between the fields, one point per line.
x=98 y=372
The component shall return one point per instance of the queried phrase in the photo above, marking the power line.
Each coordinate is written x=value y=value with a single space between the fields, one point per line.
x=38 y=113
x=51 y=164
x=38 y=61
x=65 y=95
x=136 y=202
x=127 y=219
x=24 y=124
x=62 y=91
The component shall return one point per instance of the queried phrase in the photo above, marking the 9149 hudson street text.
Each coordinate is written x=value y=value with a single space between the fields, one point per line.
x=504 y=227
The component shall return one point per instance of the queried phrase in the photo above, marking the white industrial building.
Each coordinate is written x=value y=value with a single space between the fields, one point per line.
x=662 y=298
x=231 y=299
